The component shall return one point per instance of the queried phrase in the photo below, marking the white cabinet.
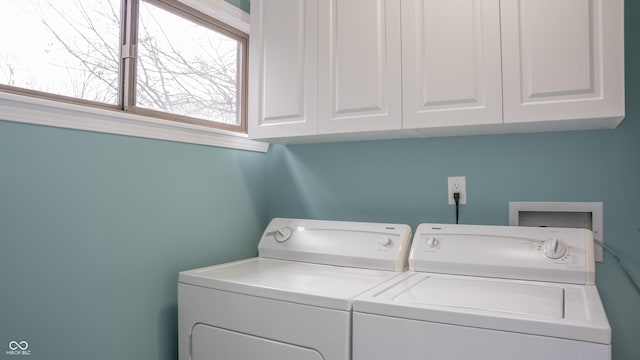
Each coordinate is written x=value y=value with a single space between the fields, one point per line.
x=563 y=60
x=324 y=67
x=451 y=63
x=359 y=80
x=283 y=68
x=364 y=69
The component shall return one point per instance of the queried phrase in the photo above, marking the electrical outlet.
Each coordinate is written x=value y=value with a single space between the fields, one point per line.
x=457 y=184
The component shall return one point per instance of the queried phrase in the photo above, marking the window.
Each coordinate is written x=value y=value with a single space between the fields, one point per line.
x=70 y=50
x=156 y=58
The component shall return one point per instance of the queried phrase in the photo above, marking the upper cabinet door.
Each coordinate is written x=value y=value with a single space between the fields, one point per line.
x=451 y=69
x=562 y=59
x=359 y=83
x=283 y=68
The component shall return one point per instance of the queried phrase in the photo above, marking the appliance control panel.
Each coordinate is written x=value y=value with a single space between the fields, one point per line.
x=377 y=246
x=510 y=252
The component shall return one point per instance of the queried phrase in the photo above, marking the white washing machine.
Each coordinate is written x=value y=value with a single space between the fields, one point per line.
x=487 y=292
x=293 y=301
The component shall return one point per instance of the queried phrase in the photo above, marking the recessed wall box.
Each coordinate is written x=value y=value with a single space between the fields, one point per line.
x=584 y=215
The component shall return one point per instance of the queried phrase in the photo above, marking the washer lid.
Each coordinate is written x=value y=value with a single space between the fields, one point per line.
x=548 y=309
x=303 y=283
x=509 y=298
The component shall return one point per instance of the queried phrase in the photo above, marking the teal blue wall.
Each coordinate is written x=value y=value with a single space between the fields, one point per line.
x=94 y=229
x=242 y=4
x=406 y=180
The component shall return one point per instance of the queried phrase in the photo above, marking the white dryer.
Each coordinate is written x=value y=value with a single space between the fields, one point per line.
x=487 y=293
x=293 y=301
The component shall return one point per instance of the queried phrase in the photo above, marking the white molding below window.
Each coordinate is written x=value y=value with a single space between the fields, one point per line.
x=24 y=109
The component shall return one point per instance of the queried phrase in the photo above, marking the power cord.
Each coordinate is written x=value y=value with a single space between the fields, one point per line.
x=456 y=198
x=624 y=266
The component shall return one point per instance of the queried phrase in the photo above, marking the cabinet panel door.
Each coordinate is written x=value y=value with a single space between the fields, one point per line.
x=283 y=68
x=562 y=59
x=359 y=66
x=451 y=63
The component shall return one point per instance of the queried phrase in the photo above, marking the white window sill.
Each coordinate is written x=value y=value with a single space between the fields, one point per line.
x=24 y=109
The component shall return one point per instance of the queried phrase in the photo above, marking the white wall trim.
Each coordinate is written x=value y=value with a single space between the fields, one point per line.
x=25 y=109
x=223 y=11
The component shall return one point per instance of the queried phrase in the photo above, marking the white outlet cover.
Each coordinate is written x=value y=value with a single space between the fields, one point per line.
x=461 y=182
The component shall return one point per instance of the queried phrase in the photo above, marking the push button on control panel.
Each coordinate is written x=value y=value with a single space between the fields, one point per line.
x=385 y=241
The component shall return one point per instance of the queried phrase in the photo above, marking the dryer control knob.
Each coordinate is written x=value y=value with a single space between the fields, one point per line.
x=432 y=242
x=283 y=234
x=385 y=241
x=554 y=248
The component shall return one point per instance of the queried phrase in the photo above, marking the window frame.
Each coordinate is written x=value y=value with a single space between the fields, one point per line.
x=128 y=65
x=25 y=105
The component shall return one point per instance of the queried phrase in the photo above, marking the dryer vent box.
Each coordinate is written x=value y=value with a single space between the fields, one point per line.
x=583 y=215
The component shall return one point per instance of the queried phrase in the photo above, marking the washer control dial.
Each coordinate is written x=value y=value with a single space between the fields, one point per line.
x=554 y=248
x=283 y=234
x=432 y=242
x=385 y=241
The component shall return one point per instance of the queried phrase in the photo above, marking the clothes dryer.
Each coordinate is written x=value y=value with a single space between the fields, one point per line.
x=293 y=301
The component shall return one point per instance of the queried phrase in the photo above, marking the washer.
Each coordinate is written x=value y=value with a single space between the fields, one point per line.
x=293 y=301
x=487 y=292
